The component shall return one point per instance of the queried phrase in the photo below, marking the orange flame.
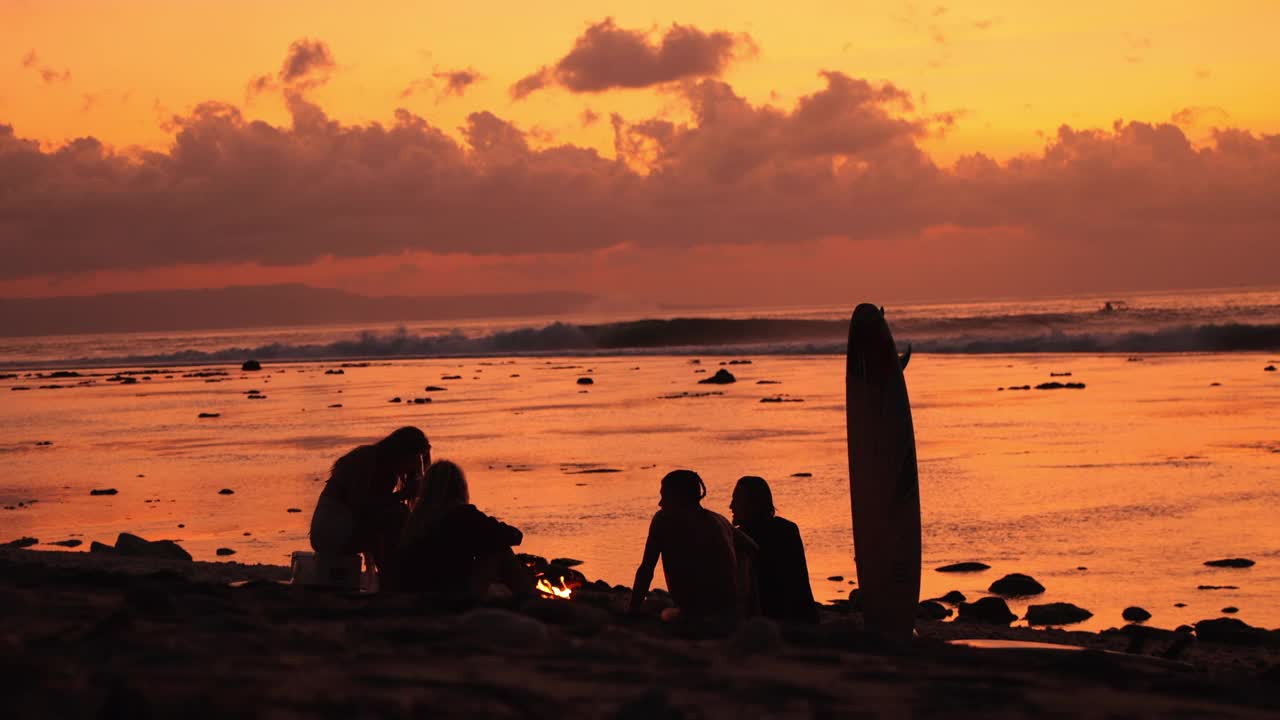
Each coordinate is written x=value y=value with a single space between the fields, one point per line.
x=546 y=588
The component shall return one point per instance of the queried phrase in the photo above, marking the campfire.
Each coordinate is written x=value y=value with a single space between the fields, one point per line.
x=545 y=587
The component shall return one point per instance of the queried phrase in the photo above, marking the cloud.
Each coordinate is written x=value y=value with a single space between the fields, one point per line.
x=416 y=87
x=843 y=163
x=47 y=73
x=456 y=82
x=589 y=117
x=607 y=57
x=1199 y=114
x=307 y=64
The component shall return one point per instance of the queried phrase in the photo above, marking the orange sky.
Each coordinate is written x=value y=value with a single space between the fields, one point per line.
x=1005 y=75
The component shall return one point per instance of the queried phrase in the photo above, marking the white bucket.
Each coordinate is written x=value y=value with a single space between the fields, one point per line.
x=326 y=570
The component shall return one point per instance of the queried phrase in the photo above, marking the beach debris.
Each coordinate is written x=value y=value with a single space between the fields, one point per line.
x=932 y=610
x=1016 y=585
x=223 y=552
x=73 y=542
x=992 y=610
x=104 y=491
x=1060 y=386
x=250 y=366
x=722 y=377
x=1058 y=613
x=226 y=491
x=204 y=415
x=1230 y=563
x=963 y=567
x=1134 y=613
x=585 y=381
x=22 y=542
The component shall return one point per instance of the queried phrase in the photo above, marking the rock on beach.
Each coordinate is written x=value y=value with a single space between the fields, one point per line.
x=1230 y=563
x=963 y=567
x=992 y=610
x=1016 y=585
x=1059 y=613
x=722 y=377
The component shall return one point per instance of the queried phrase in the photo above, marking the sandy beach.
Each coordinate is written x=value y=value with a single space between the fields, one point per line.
x=94 y=636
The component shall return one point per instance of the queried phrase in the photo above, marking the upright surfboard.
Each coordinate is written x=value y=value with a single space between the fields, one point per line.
x=884 y=485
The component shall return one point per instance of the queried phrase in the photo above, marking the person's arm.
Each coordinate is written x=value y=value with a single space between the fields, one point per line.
x=806 y=607
x=490 y=532
x=644 y=574
x=742 y=543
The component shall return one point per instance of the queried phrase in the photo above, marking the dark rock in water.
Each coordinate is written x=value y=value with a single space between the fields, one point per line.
x=1060 y=386
x=1059 y=613
x=250 y=366
x=1269 y=368
x=450 y=377
x=1215 y=384
x=802 y=474
x=991 y=610
x=73 y=542
x=256 y=397
x=421 y=401
x=768 y=382
x=932 y=610
x=16 y=388
x=1059 y=374
x=22 y=542
x=964 y=567
x=1179 y=605
x=335 y=405
x=1135 y=614
x=955 y=597
x=1217 y=587
x=855 y=600
x=1184 y=629
x=722 y=377
x=781 y=399
x=208 y=415
x=1231 y=631
x=586 y=381
x=129 y=381
x=434 y=388
x=339 y=371
x=101 y=548
x=44 y=443
x=1231 y=563
x=134 y=546
x=294 y=510
x=1231 y=610
x=223 y=552
x=1019 y=387
x=566 y=562
x=836 y=578
x=104 y=491
x=739 y=362
x=1016 y=585
x=226 y=491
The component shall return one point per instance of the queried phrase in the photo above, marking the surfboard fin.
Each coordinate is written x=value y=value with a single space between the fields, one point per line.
x=905 y=357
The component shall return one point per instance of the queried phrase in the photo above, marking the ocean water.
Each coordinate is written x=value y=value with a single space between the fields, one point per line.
x=1112 y=495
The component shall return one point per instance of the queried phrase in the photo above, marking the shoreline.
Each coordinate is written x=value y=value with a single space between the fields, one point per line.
x=88 y=633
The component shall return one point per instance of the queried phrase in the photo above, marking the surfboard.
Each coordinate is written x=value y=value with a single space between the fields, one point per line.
x=884 y=487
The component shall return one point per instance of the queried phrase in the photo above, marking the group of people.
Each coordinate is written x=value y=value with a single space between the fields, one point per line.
x=413 y=521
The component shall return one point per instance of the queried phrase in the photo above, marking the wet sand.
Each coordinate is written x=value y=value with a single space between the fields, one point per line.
x=91 y=635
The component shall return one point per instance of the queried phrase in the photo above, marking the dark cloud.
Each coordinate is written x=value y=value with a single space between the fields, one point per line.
x=416 y=87
x=844 y=162
x=456 y=82
x=47 y=73
x=589 y=117
x=307 y=63
x=607 y=57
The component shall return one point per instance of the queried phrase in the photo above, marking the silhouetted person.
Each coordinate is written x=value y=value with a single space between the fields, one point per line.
x=780 y=568
x=359 y=510
x=698 y=549
x=448 y=545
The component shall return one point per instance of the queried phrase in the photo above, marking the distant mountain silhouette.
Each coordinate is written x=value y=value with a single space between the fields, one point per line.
x=259 y=306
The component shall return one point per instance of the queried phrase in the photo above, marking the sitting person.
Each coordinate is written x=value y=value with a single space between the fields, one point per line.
x=780 y=569
x=359 y=510
x=449 y=545
x=699 y=551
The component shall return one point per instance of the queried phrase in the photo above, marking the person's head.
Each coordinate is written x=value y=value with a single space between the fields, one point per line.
x=752 y=500
x=682 y=488
x=443 y=486
x=402 y=455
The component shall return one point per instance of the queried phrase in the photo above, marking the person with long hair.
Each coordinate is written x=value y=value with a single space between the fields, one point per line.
x=449 y=545
x=360 y=509
x=780 y=569
x=699 y=550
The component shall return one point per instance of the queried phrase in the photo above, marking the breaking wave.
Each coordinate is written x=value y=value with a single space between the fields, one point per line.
x=730 y=336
